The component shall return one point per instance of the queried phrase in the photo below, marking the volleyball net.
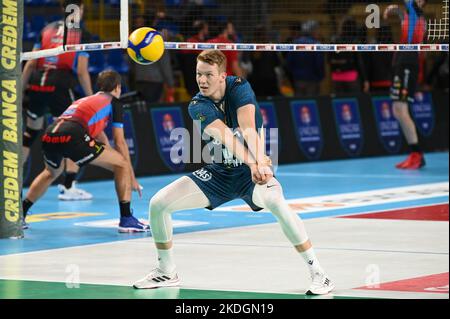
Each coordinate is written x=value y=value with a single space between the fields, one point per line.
x=263 y=25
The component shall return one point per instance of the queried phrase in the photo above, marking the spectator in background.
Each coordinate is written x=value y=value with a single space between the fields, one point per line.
x=379 y=64
x=307 y=69
x=155 y=80
x=151 y=81
x=348 y=72
x=188 y=58
x=438 y=75
x=227 y=34
x=262 y=75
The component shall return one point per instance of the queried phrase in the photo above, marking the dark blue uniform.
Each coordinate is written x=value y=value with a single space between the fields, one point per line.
x=227 y=178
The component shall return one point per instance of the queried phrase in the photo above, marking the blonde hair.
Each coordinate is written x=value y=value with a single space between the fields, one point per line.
x=214 y=57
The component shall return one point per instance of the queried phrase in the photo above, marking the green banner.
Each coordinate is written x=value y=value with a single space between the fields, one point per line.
x=11 y=29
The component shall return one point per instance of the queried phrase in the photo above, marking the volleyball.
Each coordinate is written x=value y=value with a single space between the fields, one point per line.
x=145 y=46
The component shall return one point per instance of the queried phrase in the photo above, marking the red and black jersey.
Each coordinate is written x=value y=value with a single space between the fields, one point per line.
x=414 y=25
x=52 y=36
x=59 y=70
x=94 y=112
x=414 y=28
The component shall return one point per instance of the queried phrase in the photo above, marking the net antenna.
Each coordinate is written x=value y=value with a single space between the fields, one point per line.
x=124 y=31
x=438 y=29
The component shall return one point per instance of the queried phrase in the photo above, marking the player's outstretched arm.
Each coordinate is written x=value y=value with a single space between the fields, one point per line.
x=255 y=143
x=223 y=133
x=246 y=120
x=122 y=147
x=219 y=131
x=83 y=74
x=26 y=73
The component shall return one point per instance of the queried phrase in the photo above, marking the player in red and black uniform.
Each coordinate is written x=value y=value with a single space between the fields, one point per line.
x=49 y=84
x=406 y=76
x=79 y=134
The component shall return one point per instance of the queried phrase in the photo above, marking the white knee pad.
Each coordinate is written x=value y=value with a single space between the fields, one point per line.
x=270 y=196
x=179 y=195
x=160 y=218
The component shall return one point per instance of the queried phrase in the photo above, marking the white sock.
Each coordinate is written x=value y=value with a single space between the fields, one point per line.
x=311 y=260
x=165 y=258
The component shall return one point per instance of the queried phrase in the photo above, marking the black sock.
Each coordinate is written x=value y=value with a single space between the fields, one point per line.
x=70 y=177
x=26 y=204
x=415 y=148
x=125 y=209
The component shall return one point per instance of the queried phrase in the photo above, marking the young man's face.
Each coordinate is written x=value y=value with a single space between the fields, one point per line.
x=209 y=78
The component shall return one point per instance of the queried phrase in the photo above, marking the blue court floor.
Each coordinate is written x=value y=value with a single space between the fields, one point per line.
x=84 y=233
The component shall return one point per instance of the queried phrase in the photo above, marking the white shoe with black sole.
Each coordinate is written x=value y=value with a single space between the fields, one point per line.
x=156 y=279
x=321 y=285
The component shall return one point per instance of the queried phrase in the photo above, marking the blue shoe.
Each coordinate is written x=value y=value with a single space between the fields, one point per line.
x=132 y=225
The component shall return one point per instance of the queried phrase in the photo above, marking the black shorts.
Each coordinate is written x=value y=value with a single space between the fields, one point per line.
x=39 y=103
x=65 y=139
x=404 y=83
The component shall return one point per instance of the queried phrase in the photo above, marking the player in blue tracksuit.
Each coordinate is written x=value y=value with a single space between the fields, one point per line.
x=226 y=110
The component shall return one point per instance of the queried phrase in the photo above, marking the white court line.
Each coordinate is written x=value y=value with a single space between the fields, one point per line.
x=332 y=175
x=287 y=246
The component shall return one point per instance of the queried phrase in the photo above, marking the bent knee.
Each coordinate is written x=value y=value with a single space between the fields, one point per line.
x=121 y=162
x=272 y=194
x=157 y=204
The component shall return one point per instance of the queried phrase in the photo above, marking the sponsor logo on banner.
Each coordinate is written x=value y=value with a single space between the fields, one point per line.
x=165 y=120
x=204 y=46
x=186 y=46
x=387 y=47
x=245 y=46
x=285 y=47
x=345 y=48
x=93 y=47
x=170 y=45
x=73 y=47
x=307 y=123
x=408 y=47
x=111 y=46
x=444 y=47
x=389 y=130
x=264 y=47
x=430 y=47
x=130 y=136
x=325 y=48
x=270 y=122
x=366 y=48
x=226 y=47
x=423 y=114
x=304 y=47
x=349 y=126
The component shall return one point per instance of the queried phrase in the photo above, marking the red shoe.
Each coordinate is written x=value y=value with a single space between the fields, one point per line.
x=415 y=160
